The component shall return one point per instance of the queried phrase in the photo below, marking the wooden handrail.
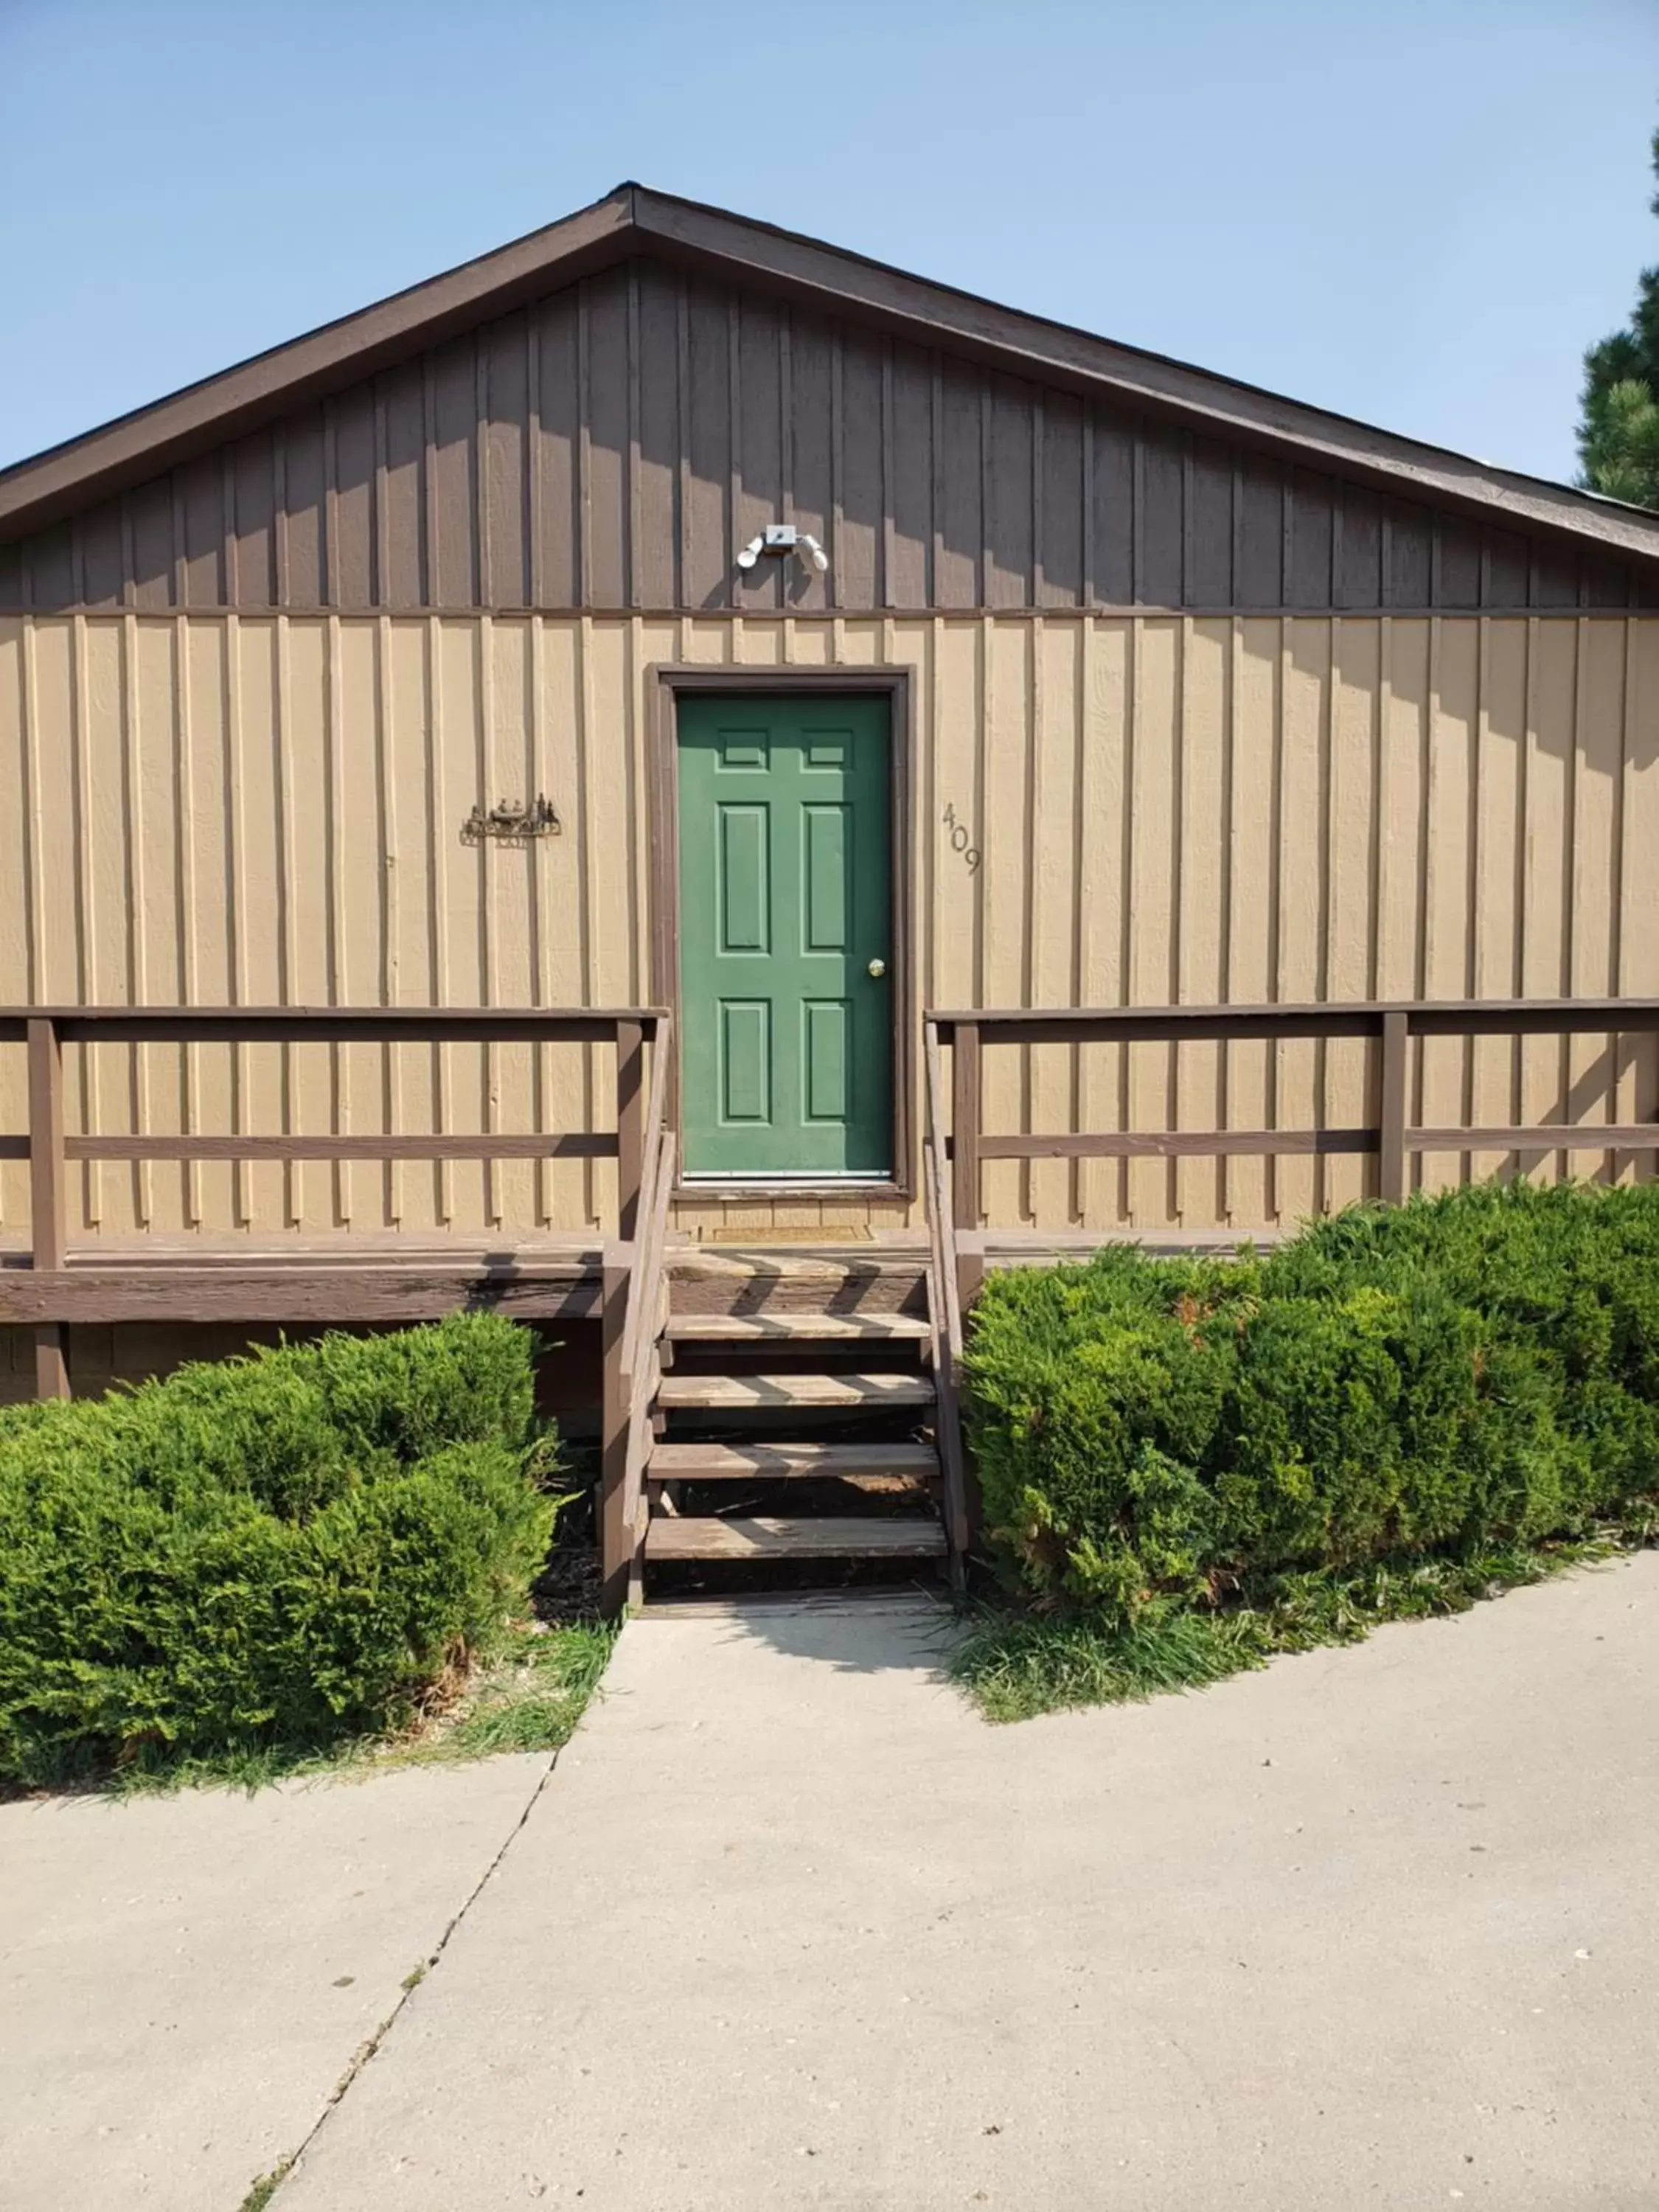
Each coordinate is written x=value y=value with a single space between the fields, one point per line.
x=646 y=1294
x=330 y=1024
x=406 y=1144
x=633 y=1299
x=944 y=1312
x=48 y=1029
x=49 y=1148
x=1391 y=1135
x=652 y=1172
x=1334 y=1017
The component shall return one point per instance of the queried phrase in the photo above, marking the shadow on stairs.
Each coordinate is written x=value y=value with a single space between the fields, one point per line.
x=794 y=1426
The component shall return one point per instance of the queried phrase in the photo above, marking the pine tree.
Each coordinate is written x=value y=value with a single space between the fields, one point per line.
x=1619 y=418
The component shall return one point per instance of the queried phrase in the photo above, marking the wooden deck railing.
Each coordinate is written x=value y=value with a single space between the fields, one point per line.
x=56 y=1287
x=1388 y=1131
x=960 y=1233
x=51 y=1291
x=635 y=1277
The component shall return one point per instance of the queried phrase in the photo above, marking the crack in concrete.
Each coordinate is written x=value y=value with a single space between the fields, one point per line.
x=286 y=2168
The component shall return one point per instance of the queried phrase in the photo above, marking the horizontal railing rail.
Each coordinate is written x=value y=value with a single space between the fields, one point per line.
x=329 y=1024
x=1339 y=1018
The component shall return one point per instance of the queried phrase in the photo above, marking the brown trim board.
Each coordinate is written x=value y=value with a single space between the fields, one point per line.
x=671 y=680
x=1091 y=611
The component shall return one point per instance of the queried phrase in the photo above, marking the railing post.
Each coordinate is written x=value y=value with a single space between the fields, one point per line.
x=964 y=1151
x=616 y=1537
x=630 y=1126
x=49 y=1234
x=1391 y=1107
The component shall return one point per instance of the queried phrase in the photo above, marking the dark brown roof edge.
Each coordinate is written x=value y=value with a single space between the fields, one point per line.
x=1031 y=344
x=633 y=218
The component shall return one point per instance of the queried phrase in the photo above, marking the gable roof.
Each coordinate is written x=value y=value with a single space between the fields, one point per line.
x=634 y=219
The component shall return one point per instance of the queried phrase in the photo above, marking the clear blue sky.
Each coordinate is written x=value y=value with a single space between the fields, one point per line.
x=1416 y=211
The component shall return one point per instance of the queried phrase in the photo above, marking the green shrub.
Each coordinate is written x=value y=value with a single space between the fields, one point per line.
x=281 y=1550
x=1475 y=1370
x=1095 y=1392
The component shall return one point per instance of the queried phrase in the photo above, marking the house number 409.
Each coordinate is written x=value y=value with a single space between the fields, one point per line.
x=960 y=840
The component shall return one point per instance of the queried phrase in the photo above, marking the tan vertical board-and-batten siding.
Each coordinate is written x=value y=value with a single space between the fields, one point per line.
x=267 y=810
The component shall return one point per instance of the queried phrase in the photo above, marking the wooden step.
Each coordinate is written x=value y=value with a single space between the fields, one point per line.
x=775 y=1462
x=819 y=1262
x=750 y=1393
x=797 y=1327
x=841 y=1538
x=850 y=1280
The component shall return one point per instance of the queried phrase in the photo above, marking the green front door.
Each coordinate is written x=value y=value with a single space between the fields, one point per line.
x=786 y=935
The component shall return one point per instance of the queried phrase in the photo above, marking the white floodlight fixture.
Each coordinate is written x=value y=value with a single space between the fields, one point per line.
x=782 y=537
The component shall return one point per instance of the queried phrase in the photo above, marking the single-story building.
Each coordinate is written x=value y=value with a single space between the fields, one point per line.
x=670 y=616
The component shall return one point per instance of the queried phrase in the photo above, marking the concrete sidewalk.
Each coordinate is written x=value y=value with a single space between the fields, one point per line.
x=791 y=1928
x=185 y=1980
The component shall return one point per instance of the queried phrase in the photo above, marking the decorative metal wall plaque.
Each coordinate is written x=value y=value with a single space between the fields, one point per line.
x=511 y=822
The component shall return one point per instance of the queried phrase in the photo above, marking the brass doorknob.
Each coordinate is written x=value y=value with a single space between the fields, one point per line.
x=877 y=967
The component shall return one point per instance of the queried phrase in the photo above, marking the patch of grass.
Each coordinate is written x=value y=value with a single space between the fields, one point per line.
x=266 y=2187
x=531 y=1700
x=529 y=1696
x=1015 y=1663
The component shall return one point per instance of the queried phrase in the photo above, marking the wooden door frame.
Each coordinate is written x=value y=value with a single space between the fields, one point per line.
x=669 y=682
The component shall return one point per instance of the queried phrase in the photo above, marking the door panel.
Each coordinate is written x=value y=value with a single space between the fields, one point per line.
x=745 y=902
x=786 y=898
x=745 y=1062
x=827 y=1057
x=823 y=868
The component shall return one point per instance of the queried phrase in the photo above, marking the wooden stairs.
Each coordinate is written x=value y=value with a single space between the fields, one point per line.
x=795 y=1426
